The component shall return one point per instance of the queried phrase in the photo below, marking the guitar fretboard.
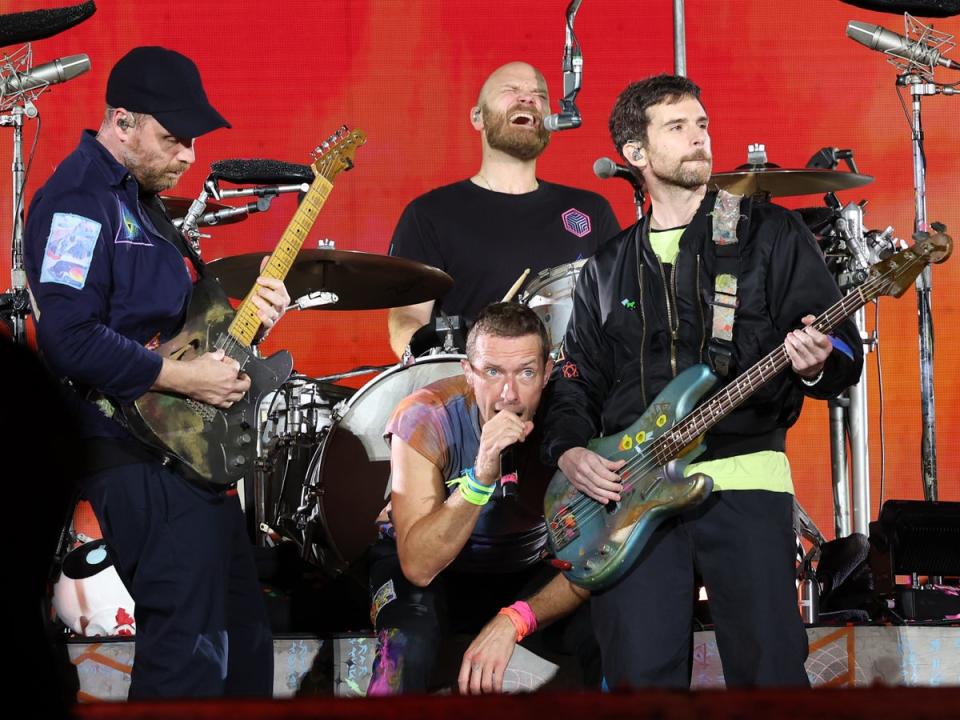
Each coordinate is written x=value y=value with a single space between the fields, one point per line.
x=245 y=324
x=670 y=445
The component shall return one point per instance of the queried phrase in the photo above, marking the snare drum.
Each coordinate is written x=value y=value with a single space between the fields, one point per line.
x=550 y=296
x=347 y=482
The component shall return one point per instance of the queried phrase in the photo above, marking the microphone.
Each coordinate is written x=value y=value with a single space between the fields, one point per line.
x=605 y=168
x=508 y=471
x=886 y=41
x=51 y=73
x=563 y=120
x=264 y=172
x=569 y=116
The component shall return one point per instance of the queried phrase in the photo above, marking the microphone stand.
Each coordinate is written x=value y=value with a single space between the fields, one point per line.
x=15 y=304
x=920 y=86
x=918 y=77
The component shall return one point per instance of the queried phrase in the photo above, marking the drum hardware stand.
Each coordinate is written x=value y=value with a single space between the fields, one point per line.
x=848 y=411
x=362 y=370
x=318 y=298
x=809 y=588
x=189 y=224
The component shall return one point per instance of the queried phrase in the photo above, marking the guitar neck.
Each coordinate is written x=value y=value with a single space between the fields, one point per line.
x=246 y=323
x=701 y=419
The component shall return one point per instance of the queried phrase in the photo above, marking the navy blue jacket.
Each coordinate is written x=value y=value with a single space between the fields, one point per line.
x=107 y=285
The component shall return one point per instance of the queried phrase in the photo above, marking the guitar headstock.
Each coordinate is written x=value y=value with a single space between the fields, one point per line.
x=895 y=274
x=335 y=154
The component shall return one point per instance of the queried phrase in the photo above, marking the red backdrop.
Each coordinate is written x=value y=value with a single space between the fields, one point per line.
x=288 y=73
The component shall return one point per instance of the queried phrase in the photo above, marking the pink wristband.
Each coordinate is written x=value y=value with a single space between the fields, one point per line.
x=523 y=609
x=519 y=625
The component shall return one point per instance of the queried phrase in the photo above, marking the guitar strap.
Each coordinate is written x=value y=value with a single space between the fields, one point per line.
x=726 y=217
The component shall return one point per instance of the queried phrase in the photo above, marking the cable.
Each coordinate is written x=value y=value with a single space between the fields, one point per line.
x=883 y=434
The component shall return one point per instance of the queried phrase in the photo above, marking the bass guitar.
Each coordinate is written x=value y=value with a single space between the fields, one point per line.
x=598 y=543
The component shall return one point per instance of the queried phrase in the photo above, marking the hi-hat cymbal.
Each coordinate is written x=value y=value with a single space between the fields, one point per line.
x=779 y=182
x=177 y=207
x=355 y=280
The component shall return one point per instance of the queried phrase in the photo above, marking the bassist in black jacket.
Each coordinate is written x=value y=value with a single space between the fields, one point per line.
x=655 y=300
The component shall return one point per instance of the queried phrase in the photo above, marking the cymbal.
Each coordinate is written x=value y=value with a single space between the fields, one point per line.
x=779 y=182
x=178 y=207
x=358 y=280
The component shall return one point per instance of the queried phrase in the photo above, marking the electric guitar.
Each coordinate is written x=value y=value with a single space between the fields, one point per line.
x=600 y=542
x=215 y=445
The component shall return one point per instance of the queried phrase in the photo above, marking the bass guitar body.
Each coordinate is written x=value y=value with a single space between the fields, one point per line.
x=601 y=542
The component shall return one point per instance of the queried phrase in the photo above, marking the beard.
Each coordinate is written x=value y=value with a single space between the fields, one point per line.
x=684 y=175
x=150 y=175
x=517 y=141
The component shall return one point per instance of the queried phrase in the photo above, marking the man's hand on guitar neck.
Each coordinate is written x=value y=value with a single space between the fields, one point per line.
x=808 y=349
x=592 y=474
x=212 y=378
x=271 y=300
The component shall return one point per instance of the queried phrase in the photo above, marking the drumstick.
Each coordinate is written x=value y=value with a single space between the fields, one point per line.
x=516 y=286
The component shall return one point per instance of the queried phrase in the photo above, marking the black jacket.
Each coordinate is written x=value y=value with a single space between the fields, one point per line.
x=637 y=323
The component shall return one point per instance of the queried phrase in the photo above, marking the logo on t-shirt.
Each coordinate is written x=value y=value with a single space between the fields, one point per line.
x=576 y=222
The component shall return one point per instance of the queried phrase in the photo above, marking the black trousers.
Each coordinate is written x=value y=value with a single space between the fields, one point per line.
x=743 y=545
x=183 y=553
x=412 y=622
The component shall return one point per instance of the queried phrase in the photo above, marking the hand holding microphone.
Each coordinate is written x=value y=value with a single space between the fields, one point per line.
x=497 y=455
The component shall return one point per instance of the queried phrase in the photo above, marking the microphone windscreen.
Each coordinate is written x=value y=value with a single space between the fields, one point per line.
x=604 y=168
x=920 y=8
x=263 y=172
x=33 y=25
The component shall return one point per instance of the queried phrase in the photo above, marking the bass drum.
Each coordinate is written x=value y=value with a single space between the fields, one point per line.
x=348 y=483
x=550 y=296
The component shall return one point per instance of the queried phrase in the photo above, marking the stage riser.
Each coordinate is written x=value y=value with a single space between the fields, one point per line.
x=839 y=657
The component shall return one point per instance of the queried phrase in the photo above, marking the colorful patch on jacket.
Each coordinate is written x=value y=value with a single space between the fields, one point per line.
x=130 y=233
x=576 y=222
x=69 y=251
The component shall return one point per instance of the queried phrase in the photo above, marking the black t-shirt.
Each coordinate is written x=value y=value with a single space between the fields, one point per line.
x=484 y=240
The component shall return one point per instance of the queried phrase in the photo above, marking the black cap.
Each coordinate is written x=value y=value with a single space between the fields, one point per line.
x=166 y=85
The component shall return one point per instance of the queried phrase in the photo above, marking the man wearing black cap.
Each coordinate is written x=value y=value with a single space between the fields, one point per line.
x=111 y=278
